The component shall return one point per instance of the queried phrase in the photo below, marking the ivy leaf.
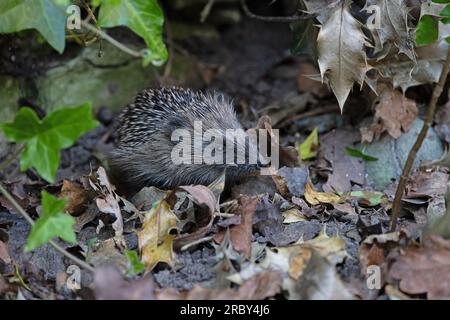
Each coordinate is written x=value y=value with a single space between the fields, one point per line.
x=45 y=138
x=427 y=31
x=51 y=224
x=445 y=14
x=143 y=17
x=43 y=15
x=308 y=149
x=136 y=266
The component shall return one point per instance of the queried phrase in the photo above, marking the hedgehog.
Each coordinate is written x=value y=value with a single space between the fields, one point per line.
x=144 y=152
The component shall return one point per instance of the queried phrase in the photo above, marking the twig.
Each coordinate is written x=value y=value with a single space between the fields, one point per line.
x=274 y=19
x=24 y=214
x=206 y=10
x=107 y=37
x=412 y=153
x=198 y=241
x=311 y=113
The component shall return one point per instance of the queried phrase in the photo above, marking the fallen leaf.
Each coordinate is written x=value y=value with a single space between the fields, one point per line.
x=107 y=253
x=306 y=84
x=293 y=215
x=110 y=205
x=393 y=27
x=155 y=240
x=204 y=198
x=308 y=149
x=110 y=285
x=314 y=198
x=76 y=196
x=241 y=234
x=394 y=112
x=425 y=269
x=261 y=286
x=346 y=170
x=4 y=255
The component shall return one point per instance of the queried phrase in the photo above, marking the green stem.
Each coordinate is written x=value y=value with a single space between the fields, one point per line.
x=27 y=217
x=107 y=37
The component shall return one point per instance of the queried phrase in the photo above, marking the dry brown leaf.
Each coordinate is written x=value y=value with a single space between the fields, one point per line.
x=156 y=239
x=203 y=197
x=394 y=113
x=4 y=255
x=110 y=285
x=425 y=269
x=76 y=196
x=261 y=286
x=341 y=49
x=375 y=249
x=110 y=205
x=241 y=234
x=306 y=84
x=314 y=198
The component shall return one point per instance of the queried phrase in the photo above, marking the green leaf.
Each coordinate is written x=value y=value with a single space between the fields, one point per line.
x=441 y=1
x=51 y=224
x=43 y=15
x=45 y=138
x=359 y=154
x=445 y=14
x=427 y=31
x=136 y=266
x=143 y=17
x=309 y=148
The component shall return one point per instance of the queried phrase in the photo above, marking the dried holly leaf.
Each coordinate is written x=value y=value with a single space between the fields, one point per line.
x=52 y=223
x=425 y=269
x=341 y=49
x=393 y=26
x=156 y=237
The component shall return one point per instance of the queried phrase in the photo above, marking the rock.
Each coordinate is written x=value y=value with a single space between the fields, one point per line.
x=392 y=155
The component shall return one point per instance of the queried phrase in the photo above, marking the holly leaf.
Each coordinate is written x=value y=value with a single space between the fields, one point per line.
x=341 y=47
x=143 y=17
x=51 y=224
x=45 y=138
x=43 y=15
x=155 y=240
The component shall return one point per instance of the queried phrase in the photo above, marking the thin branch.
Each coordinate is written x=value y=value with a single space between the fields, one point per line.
x=107 y=37
x=274 y=19
x=27 y=217
x=416 y=147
